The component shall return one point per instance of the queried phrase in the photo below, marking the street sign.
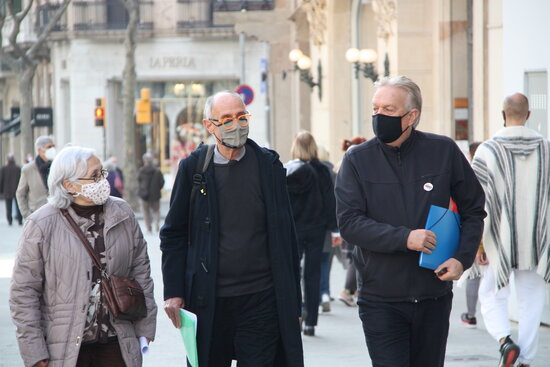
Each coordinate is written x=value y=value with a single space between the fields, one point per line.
x=246 y=93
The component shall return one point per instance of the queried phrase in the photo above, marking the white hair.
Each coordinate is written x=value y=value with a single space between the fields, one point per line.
x=414 y=96
x=69 y=164
x=41 y=141
x=210 y=102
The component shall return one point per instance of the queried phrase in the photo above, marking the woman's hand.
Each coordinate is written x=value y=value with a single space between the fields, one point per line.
x=42 y=363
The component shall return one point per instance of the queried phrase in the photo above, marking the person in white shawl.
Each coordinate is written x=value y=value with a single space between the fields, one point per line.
x=514 y=169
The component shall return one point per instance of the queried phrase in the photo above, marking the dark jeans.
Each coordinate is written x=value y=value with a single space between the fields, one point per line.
x=9 y=207
x=100 y=355
x=326 y=259
x=246 y=328
x=406 y=334
x=310 y=245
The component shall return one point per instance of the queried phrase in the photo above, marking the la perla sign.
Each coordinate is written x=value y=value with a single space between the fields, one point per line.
x=172 y=62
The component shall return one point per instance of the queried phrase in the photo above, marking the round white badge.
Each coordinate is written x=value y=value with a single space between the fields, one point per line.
x=428 y=186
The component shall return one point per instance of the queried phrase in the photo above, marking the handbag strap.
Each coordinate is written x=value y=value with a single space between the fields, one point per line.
x=83 y=239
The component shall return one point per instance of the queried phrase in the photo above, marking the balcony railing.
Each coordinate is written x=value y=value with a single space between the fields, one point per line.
x=45 y=13
x=241 y=5
x=194 y=14
x=199 y=13
x=108 y=15
x=94 y=15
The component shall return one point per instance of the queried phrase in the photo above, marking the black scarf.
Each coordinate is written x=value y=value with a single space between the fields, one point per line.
x=44 y=169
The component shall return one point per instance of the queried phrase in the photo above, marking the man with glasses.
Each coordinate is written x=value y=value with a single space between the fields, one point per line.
x=32 y=191
x=232 y=257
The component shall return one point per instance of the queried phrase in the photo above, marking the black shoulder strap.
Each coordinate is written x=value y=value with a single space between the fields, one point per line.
x=205 y=157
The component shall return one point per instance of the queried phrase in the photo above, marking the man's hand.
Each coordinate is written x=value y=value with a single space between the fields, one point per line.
x=481 y=258
x=454 y=270
x=172 y=308
x=42 y=363
x=421 y=240
x=336 y=241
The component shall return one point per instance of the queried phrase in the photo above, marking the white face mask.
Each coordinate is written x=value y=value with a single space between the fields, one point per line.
x=50 y=153
x=98 y=192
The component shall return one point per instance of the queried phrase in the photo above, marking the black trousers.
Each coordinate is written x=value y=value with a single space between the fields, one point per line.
x=100 y=355
x=9 y=206
x=246 y=328
x=310 y=246
x=406 y=334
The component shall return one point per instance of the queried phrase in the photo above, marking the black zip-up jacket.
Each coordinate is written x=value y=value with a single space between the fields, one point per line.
x=381 y=196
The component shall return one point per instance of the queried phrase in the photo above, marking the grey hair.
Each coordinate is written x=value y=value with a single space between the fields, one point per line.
x=148 y=158
x=69 y=164
x=41 y=141
x=414 y=96
x=109 y=166
x=210 y=102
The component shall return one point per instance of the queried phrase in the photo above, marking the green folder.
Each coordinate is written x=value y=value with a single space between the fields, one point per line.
x=188 y=332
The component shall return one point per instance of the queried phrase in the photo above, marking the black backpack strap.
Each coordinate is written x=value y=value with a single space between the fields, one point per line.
x=205 y=156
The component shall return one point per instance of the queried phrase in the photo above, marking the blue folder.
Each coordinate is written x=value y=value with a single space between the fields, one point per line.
x=446 y=225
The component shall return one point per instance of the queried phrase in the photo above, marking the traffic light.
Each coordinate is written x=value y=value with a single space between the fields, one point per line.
x=99 y=112
x=143 y=107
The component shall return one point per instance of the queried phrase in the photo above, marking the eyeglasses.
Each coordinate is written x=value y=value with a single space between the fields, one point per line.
x=96 y=177
x=228 y=123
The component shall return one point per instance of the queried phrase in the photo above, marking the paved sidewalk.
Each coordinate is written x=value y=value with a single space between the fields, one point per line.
x=339 y=338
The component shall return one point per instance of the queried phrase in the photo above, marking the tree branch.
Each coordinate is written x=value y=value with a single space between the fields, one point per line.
x=4 y=56
x=24 y=13
x=16 y=28
x=47 y=30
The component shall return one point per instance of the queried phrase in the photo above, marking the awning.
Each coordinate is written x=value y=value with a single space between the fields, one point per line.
x=13 y=125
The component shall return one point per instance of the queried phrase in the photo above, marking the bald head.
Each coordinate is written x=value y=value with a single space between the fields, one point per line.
x=221 y=98
x=515 y=109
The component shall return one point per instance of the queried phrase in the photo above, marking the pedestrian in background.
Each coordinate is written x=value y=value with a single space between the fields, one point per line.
x=384 y=191
x=9 y=179
x=473 y=276
x=150 y=184
x=332 y=240
x=514 y=170
x=56 y=295
x=114 y=178
x=349 y=292
x=311 y=193
x=32 y=191
x=229 y=250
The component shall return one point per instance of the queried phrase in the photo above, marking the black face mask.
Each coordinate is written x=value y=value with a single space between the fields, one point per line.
x=387 y=128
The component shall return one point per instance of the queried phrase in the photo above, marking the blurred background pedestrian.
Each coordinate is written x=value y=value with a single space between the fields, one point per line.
x=349 y=292
x=9 y=179
x=115 y=179
x=150 y=184
x=332 y=239
x=311 y=193
x=32 y=191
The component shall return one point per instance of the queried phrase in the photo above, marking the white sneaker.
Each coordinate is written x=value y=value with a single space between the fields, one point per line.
x=325 y=303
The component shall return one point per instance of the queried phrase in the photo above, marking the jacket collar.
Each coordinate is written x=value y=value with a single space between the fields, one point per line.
x=404 y=148
x=114 y=216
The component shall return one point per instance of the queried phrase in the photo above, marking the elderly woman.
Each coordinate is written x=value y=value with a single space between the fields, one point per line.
x=55 y=297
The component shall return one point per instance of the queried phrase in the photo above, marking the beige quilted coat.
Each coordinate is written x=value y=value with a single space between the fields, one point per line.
x=51 y=284
x=31 y=192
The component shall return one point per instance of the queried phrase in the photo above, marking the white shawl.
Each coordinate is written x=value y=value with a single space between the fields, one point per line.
x=513 y=168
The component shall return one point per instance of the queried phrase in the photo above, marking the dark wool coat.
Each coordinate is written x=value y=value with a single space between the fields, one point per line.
x=189 y=270
x=9 y=179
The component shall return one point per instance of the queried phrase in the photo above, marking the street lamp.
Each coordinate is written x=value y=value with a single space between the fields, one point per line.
x=364 y=60
x=303 y=63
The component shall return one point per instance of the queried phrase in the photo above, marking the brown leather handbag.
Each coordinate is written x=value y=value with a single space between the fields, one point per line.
x=124 y=297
